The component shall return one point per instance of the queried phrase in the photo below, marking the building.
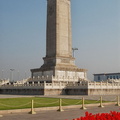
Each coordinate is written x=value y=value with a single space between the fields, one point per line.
x=106 y=76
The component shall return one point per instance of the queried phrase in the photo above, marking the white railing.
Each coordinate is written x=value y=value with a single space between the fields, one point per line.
x=56 y=78
x=22 y=81
x=103 y=85
x=2 y=82
x=67 y=85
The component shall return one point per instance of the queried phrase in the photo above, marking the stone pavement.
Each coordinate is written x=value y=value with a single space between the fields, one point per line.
x=14 y=96
x=55 y=115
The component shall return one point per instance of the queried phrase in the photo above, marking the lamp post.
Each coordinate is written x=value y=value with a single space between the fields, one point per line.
x=18 y=75
x=12 y=74
x=104 y=77
x=25 y=74
x=2 y=74
x=73 y=49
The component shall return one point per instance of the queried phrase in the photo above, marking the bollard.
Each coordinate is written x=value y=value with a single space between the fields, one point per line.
x=83 y=102
x=117 y=101
x=101 y=102
x=60 y=105
x=32 y=108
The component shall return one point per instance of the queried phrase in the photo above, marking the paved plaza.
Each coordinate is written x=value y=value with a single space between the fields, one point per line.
x=90 y=97
x=66 y=114
x=55 y=115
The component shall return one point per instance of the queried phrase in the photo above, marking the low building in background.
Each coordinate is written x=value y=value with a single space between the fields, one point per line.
x=110 y=77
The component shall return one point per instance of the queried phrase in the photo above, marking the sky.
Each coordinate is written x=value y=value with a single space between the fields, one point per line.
x=95 y=32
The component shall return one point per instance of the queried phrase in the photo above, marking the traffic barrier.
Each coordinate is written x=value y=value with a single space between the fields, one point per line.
x=32 y=107
x=60 y=105
x=83 y=104
x=118 y=104
x=101 y=102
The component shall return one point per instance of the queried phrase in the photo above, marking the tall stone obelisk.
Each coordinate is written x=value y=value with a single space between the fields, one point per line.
x=58 y=47
x=58 y=60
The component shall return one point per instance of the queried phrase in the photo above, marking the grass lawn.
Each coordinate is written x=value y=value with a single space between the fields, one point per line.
x=22 y=103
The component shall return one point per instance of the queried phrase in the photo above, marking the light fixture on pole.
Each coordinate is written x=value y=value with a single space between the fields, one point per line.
x=73 y=49
x=12 y=74
x=18 y=74
x=2 y=74
x=25 y=74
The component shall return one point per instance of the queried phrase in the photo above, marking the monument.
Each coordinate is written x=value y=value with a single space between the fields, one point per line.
x=59 y=61
x=59 y=75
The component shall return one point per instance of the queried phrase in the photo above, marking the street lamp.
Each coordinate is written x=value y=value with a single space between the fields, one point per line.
x=12 y=73
x=2 y=74
x=18 y=75
x=73 y=49
x=25 y=74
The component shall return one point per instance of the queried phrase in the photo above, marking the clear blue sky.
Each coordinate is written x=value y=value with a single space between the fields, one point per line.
x=95 y=32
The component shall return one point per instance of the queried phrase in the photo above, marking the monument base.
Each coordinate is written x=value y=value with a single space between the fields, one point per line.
x=60 y=72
